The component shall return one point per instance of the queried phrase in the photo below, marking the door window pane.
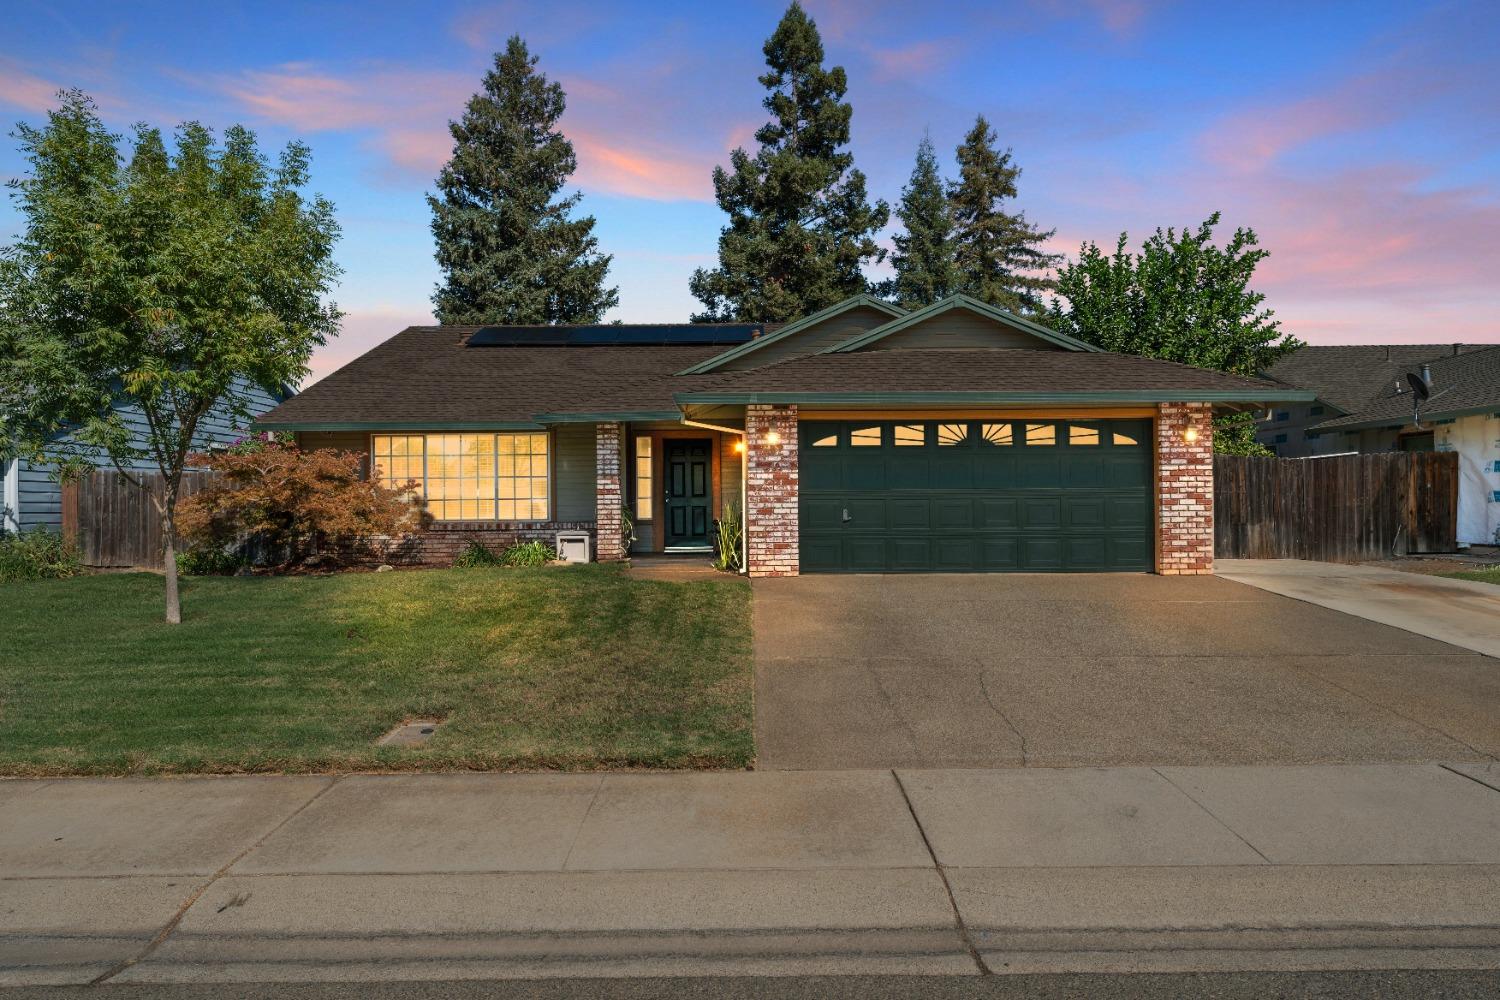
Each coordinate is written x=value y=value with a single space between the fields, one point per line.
x=996 y=434
x=1041 y=434
x=865 y=437
x=643 y=483
x=952 y=434
x=1081 y=435
x=908 y=435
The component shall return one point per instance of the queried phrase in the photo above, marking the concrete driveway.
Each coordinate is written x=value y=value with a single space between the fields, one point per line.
x=1052 y=671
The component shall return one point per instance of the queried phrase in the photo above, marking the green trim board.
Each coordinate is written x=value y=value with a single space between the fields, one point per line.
x=973 y=305
x=397 y=425
x=1433 y=416
x=607 y=417
x=994 y=398
x=792 y=329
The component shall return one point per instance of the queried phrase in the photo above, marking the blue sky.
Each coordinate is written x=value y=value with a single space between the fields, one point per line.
x=1361 y=141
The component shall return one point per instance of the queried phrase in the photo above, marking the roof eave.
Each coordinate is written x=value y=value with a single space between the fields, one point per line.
x=1398 y=421
x=395 y=425
x=1102 y=398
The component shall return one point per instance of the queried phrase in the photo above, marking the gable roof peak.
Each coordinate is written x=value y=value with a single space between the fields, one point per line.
x=795 y=327
x=959 y=300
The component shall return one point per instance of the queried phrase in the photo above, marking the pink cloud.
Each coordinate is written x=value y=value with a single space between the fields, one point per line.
x=916 y=58
x=363 y=328
x=663 y=175
x=26 y=91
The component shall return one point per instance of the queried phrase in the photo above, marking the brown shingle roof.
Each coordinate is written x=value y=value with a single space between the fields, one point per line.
x=1351 y=376
x=997 y=370
x=1465 y=383
x=425 y=374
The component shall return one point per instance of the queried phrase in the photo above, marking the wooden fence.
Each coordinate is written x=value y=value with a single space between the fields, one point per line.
x=1343 y=508
x=116 y=522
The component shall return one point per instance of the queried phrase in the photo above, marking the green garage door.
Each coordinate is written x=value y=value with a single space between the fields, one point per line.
x=975 y=496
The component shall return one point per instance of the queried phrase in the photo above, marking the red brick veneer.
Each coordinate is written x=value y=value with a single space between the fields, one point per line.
x=771 y=489
x=609 y=540
x=1184 y=489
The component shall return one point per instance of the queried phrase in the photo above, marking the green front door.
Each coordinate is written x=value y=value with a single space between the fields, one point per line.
x=975 y=496
x=688 y=497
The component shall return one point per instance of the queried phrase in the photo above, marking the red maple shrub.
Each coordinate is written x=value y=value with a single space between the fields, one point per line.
x=300 y=508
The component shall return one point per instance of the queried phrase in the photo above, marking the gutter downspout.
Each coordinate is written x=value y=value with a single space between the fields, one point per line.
x=744 y=485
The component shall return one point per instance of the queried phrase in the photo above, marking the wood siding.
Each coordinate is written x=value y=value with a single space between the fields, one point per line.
x=960 y=328
x=40 y=493
x=573 y=472
x=834 y=330
x=1338 y=509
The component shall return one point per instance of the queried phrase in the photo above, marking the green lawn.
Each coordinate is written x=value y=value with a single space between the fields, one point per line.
x=559 y=667
x=1489 y=575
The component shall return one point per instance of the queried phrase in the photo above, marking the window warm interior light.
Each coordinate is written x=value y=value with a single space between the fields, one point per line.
x=1190 y=435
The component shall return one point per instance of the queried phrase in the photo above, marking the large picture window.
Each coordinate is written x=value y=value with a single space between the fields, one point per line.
x=470 y=477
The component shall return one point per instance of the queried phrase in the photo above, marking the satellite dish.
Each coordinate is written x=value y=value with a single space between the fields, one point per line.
x=1418 y=386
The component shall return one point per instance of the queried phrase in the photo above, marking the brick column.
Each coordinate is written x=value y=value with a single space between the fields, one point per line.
x=1184 y=489
x=609 y=542
x=771 y=489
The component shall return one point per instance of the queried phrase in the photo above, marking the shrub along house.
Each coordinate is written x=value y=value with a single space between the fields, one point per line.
x=954 y=438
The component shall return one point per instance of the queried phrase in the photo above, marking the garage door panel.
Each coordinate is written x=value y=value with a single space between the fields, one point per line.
x=999 y=553
x=1041 y=512
x=1084 y=471
x=864 y=472
x=906 y=471
x=1083 y=511
x=1041 y=552
x=1086 y=551
x=867 y=554
x=866 y=514
x=817 y=515
x=955 y=555
x=1128 y=512
x=1068 y=497
x=911 y=554
x=998 y=512
x=953 y=514
x=910 y=515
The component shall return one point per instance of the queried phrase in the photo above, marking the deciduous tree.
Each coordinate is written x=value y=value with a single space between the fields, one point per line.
x=168 y=283
x=1183 y=298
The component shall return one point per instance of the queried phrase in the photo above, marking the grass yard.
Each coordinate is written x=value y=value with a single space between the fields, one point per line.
x=559 y=667
x=1488 y=575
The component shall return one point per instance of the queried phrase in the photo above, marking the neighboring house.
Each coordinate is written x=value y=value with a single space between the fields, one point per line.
x=957 y=437
x=1347 y=378
x=32 y=495
x=1463 y=416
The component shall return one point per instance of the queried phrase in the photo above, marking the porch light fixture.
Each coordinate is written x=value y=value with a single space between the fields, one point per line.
x=739 y=447
x=1190 y=435
x=772 y=437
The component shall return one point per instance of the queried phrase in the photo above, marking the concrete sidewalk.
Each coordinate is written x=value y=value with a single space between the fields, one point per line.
x=1462 y=613
x=913 y=872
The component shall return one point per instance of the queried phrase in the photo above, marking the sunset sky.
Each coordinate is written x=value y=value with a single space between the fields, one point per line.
x=1361 y=141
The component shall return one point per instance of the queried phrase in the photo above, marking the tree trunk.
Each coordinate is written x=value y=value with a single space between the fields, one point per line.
x=169 y=552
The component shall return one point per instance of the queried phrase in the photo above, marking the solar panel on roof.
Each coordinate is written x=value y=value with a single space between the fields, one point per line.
x=663 y=335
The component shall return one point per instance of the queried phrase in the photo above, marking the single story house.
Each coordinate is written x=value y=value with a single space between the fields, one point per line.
x=864 y=438
x=1348 y=379
x=31 y=495
x=1462 y=415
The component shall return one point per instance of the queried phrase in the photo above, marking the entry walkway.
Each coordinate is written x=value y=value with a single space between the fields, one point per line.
x=1461 y=613
x=932 y=872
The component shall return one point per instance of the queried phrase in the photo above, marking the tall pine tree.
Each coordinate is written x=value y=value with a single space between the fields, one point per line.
x=999 y=254
x=924 y=258
x=507 y=246
x=800 y=223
